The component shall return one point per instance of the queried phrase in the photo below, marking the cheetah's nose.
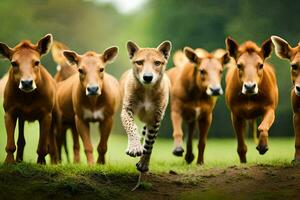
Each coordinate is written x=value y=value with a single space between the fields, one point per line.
x=147 y=77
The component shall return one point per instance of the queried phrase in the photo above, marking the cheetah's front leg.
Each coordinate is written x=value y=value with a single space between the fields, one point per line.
x=151 y=133
x=135 y=147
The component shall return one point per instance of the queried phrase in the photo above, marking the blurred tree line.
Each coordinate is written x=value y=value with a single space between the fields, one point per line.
x=90 y=25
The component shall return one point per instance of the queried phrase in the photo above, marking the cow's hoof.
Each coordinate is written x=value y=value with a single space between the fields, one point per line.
x=178 y=151
x=262 y=149
x=41 y=161
x=142 y=167
x=296 y=162
x=189 y=158
x=9 y=159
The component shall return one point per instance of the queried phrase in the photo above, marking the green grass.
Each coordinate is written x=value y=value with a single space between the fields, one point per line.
x=115 y=179
x=218 y=153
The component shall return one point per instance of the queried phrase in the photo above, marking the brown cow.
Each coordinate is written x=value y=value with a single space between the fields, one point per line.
x=195 y=87
x=285 y=51
x=89 y=96
x=64 y=71
x=251 y=91
x=29 y=95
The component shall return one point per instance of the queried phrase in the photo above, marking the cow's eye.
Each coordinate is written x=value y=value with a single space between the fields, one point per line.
x=37 y=63
x=202 y=72
x=294 y=66
x=80 y=71
x=260 y=66
x=239 y=66
x=139 y=62
x=14 y=64
x=101 y=69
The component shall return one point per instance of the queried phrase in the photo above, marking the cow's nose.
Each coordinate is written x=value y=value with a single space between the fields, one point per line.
x=147 y=77
x=27 y=84
x=297 y=88
x=250 y=86
x=215 y=91
x=92 y=90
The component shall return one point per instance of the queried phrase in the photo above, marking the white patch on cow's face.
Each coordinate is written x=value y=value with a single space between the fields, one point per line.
x=95 y=115
x=296 y=91
x=27 y=90
x=253 y=91
x=216 y=90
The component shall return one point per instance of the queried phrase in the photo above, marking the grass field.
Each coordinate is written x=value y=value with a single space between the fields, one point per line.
x=170 y=177
x=219 y=152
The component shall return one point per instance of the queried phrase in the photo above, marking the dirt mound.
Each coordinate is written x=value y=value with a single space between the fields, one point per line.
x=235 y=182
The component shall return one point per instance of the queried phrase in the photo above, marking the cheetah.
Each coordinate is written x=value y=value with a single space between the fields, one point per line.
x=145 y=92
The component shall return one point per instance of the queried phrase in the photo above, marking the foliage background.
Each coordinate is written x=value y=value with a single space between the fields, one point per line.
x=97 y=24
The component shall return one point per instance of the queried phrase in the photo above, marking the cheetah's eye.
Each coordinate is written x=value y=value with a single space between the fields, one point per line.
x=139 y=62
x=157 y=63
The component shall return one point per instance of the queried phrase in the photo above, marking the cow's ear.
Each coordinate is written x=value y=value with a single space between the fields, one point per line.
x=232 y=47
x=191 y=55
x=266 y=48
x=225 y=58
x=71 y=56
x=5 y=51
x=282 y=48
x=44 y=45
x=110 y=54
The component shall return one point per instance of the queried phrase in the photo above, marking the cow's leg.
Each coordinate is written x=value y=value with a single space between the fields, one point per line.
x=239 y=125
x=52 y=143
x=297 y=136
x=59 y=140
x=45 y=125
x=263 y=128
x=203 y=124
x=65 y=145
x=21 y=141
x=76 y=145
x=177 y=133
x=105 y=129
x=189 y=156
x=83 y=129
x=10 y=124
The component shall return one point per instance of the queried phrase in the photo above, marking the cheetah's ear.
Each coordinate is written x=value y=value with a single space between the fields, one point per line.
x=165 y=48
x=132 y=48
